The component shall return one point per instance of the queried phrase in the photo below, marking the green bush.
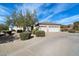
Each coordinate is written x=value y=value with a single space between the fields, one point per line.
x=19 y=31
x=7 y=32
x=25 y=35
x=4 y=31
x=71 y=31
x=34 y=30
x=3 y=27
x=40 y=33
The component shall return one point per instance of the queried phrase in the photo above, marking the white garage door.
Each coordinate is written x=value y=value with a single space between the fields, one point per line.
x=49 y=29
x=53 y=29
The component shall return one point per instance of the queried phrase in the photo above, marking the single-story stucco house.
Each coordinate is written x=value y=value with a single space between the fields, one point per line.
x=18 y=28
x=45 y=26
x=49 y=27
x=15 y=28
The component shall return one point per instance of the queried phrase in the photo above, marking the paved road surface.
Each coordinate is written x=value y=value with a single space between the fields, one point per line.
x=54 y=44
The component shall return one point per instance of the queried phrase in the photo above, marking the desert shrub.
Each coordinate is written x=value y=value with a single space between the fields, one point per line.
x=25 y=35
x=7 y=32
x=3 y=27
x=71 y=31
x=76 y=26
x=40 y=33
x=19 y=31
x=4 y=31
x=64 y=30
x=34 y=30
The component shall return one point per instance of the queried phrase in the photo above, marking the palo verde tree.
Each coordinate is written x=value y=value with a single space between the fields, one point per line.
x=30 y=20
x=26 y=21
x=20 y=20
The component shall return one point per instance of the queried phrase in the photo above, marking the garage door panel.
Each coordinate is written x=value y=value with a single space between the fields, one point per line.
x=53 y=30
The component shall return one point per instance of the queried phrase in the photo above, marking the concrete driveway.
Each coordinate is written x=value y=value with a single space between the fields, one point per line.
x=54 y=44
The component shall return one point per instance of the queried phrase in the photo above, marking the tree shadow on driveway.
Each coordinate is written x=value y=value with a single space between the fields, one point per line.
x=5 y=39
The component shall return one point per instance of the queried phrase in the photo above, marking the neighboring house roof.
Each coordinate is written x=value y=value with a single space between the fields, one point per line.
x=48 y=23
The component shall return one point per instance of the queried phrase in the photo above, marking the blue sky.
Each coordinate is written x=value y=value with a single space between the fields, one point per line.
x=60 y=13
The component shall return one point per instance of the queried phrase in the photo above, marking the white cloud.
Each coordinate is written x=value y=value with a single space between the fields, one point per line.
x=2 y=19
x=4 y=10
x=57 y=9
x=68 y=20
x=30 y=6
